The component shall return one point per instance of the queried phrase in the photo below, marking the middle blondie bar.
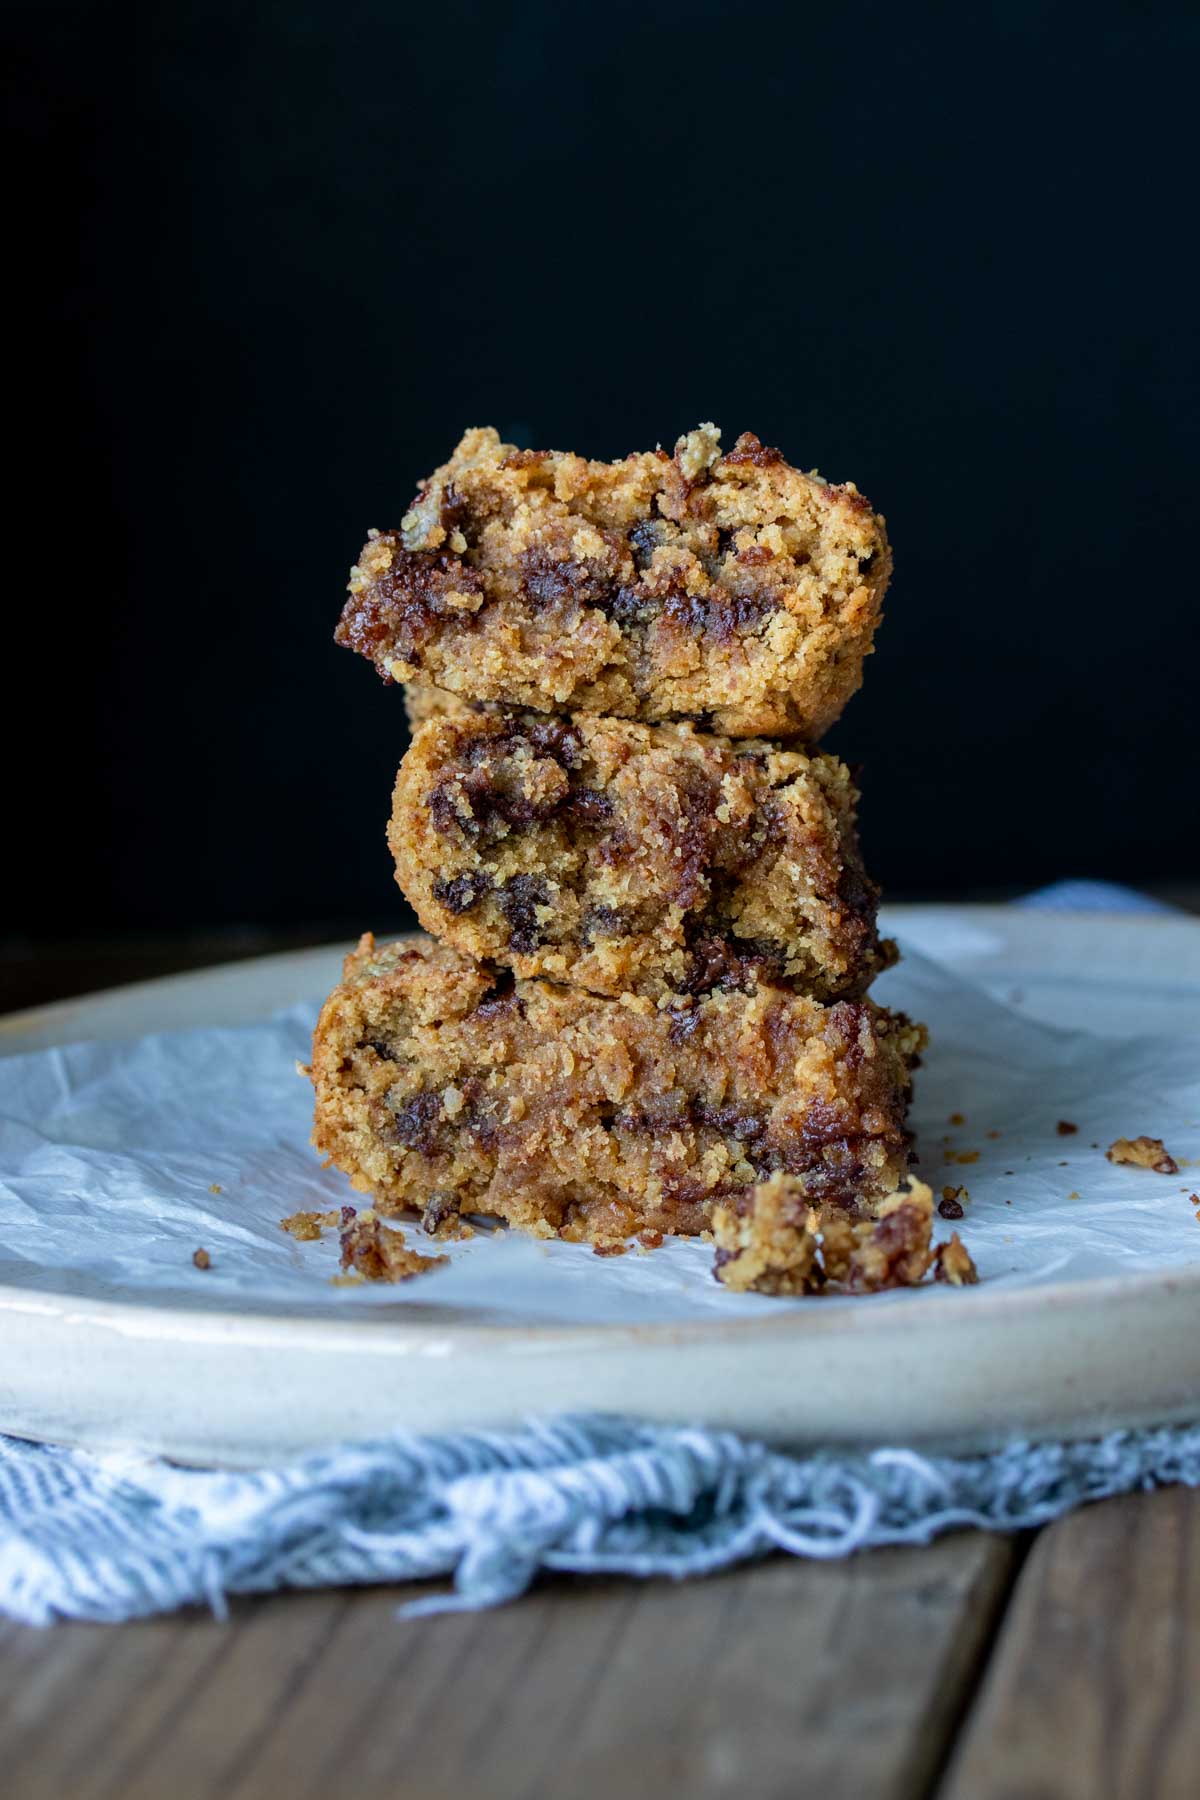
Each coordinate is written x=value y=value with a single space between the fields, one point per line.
x=628 y=858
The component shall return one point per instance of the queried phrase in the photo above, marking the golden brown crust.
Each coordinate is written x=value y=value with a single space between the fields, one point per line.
x=729 y=588
x=635 y=858
x=442 y=1087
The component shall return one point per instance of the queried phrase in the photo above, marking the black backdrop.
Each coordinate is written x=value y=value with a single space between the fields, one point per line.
x=276 y=256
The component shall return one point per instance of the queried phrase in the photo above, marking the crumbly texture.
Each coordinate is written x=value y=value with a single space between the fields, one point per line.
x=306 y=1227
x=953 y=1263
x=650 y=859
x=730 y=588
x=767 y=1239
x=772 y=1239
x=1143 y=1153
x=444 y=1087
x=378 y=1252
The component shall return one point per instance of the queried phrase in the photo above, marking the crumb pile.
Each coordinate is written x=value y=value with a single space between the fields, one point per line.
x=642 y=1009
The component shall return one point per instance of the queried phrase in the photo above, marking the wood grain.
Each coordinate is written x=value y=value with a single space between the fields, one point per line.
x=842 y=1679
x=1091 y=1690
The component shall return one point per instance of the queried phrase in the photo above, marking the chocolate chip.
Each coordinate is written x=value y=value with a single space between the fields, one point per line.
x=720 y=614
x=414 y=1126
x=397 y=612
x=644 y=540
x=486 y=802
x=553 y=582
x=732 y=965
x=604 y=921
x=629 y=606
x=587 y=806
x=463 y=892
x=683 y=1024
x=553 y=738
x=519 y=897
x=503 y=998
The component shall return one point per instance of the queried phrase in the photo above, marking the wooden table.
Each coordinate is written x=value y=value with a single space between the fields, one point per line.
x=1062 y=1664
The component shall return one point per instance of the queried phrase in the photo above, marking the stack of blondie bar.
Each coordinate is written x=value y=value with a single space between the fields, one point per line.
x=642 y=1006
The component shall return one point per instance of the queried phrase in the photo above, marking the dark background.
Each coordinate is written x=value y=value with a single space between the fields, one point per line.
x=276 y=256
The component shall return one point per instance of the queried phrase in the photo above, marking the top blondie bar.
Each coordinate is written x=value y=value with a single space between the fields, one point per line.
x=729 y=589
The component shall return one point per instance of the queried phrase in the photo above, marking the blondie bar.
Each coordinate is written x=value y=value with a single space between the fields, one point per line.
x=620 y=857
x=729 y=588
x=445 y=1087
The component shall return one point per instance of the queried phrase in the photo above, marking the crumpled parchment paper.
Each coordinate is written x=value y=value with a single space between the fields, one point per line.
x=118 y=1160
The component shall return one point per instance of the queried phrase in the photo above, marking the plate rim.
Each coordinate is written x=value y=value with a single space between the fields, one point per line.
x=232 y=1324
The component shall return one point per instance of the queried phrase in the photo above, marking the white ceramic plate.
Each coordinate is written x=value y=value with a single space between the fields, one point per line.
x=211 y=1385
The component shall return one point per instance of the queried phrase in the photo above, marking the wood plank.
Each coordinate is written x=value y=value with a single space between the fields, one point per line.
x=847 y=1678
x=95 y=1704
x=1091 y=1691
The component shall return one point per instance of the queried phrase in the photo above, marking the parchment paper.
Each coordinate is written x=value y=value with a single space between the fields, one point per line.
x=110 y=1155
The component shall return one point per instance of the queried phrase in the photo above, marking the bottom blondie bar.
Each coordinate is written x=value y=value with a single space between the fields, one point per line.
x=446 y=1087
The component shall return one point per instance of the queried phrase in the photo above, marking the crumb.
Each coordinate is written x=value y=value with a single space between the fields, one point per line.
x=1065 y=1128
x=953 y=1263
x=1064 y=1165
x=767 y=1240
x=950 y=1205
x=202 y=1259
x=962 y=1156
x=993 y=1134
x=650 y=1240
x=307 y=1226
x=1143 y=1153
x=772 y=1240
x=609 y=1249
x=440 y=1217
x=956 y=1119
x=377 y=1252
x=214 y=1187
x=1073 y=1195
x=1010 y=1171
